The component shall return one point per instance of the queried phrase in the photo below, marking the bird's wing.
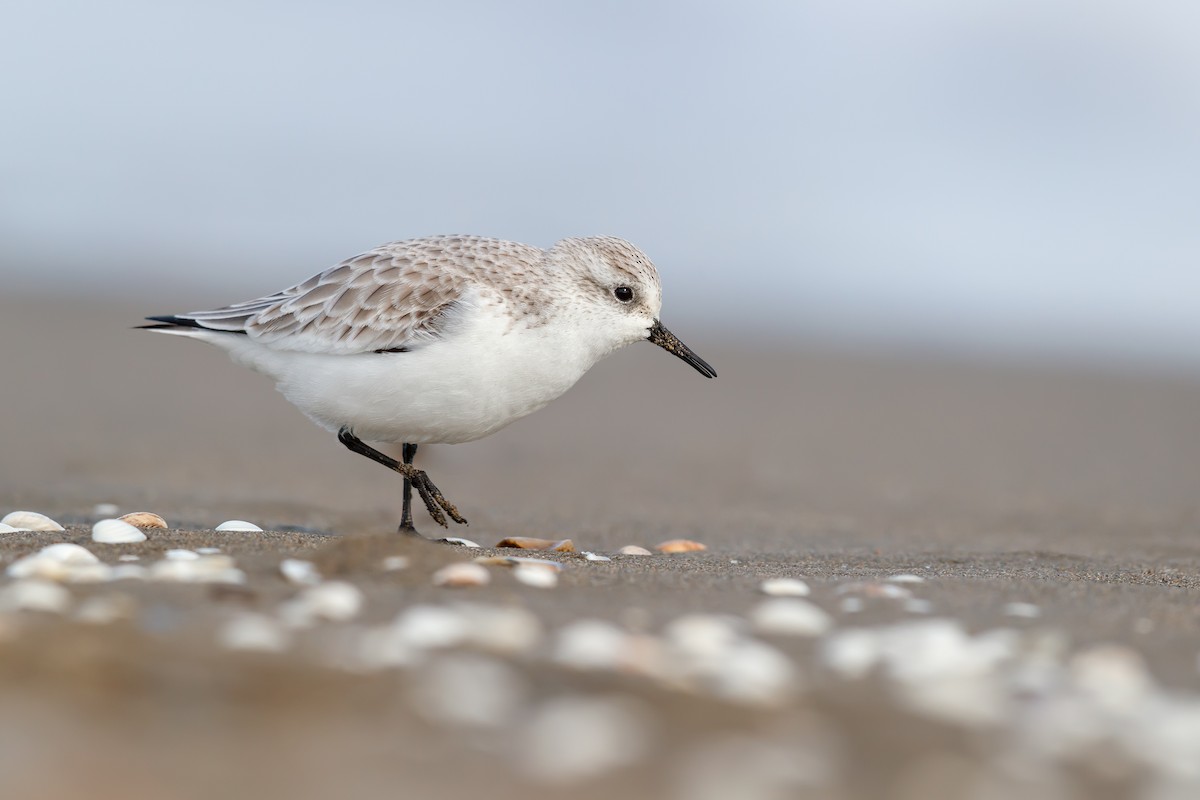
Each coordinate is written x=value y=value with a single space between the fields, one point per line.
x=393 y=298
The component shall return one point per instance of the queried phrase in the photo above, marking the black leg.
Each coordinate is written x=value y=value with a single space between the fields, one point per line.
x=408 y=451
x=435 y=503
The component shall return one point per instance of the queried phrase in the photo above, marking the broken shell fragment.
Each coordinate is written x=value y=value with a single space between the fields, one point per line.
x=531 y=543
x=30 y=521
x=114 y=531
x=514 y=561
x=144 y=519
x=237 y=525
x=785 y=587
x=680 y=546
x=590 y=556
x=634 y=550
x=462 y=575
x=536 y=575
x=455 y=540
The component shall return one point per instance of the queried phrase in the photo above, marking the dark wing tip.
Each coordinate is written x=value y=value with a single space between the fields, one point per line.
x=172 y=321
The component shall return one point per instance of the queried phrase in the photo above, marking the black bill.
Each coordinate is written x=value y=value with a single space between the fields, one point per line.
x=668 y=341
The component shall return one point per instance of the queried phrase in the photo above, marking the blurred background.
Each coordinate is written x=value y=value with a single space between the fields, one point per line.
x=987 y=177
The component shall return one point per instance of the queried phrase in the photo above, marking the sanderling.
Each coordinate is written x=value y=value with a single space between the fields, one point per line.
x=441 y=340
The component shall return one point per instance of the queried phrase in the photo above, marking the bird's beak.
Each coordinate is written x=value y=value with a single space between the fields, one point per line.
x=667 y=341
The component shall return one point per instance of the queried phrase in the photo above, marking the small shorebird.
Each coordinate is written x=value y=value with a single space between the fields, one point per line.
x=441 y=340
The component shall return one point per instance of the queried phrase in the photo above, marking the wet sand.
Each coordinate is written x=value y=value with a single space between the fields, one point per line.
x=1070 y=489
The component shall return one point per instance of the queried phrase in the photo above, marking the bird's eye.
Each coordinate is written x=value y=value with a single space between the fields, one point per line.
x=623 y=293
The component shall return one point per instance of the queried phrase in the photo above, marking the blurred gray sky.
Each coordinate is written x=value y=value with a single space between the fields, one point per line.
x=1008 y=173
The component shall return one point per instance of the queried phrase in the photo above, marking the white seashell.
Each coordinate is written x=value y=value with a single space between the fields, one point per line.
x=333 y=601
x=181 y=555
x=129 y=572
x=508 y=631
x=590 y=556
x=105 y=609
x=468 y=689
x=1023 y=610
x=34 y=595
x=6 y=528
x=237 y=525
x=591 y=644
x=852 y=653
x=457 y=541
x=255 y=632
x=30 y=521
x=430 y=627
x=105 y=510
x=785 y=587
x=113 y=531
x=129 y=557
x=604 y=734
x=203 y=569
x=536 y=575
x=394 y=563
x=53 y=562
x=300 y=572
x=703 y=635
x=789 y=616
x=905 y=578
x=754 y=673
x=634 y=550
x=208 y=551
x=462 y=575
x=88 y=573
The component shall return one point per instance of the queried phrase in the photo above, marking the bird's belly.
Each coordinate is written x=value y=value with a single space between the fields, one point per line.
x=449 y=391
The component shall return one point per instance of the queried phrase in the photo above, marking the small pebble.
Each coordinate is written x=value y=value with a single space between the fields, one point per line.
x=395 y=563
x=455 y=540
x=785 y=587
x=790 y=616
x=33 y=594
x=536 y=575
x=300 y=572
x=237 y=525
x=634 y=550
x=680 y=546
x=1022 y=610
x=590 y=556
x=462 y=575
x=530 y=543
x=144 y=519
x=254 y=632
x=113 y=531
x=30 y=521
x=105 y=510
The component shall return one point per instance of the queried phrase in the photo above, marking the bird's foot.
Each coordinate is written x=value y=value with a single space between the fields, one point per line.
x=435 y=503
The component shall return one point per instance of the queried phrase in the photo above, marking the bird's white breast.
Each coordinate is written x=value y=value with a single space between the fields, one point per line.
x=487 y=372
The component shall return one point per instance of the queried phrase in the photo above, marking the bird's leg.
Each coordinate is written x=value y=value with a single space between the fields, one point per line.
x=408 y=451
x=435 y=503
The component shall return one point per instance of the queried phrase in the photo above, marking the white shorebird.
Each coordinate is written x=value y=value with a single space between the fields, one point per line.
x=441 y=340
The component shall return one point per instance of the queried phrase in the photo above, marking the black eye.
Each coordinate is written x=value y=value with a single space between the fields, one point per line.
x=623 y=293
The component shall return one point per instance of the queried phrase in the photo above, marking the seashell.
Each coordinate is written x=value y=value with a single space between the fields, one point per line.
x=6 y=528
x=128 y=572
x=634 y=550
x=536 y=575
x=144 y=519
x=470 y=690
x=394 y=563
x=785 y=587
x=461 y=575
x=57 y=562
x=203 y=569
x=680 y=546
x=513 y=561
x=455 y=540
x=790 y=616
x=33 y=594
x=531 y=543
x=105 y=510
x=208 y=551
x=254 y=632
x=30 y=521
x=904 y=577
x=1022 y=610
x=237 y=525
x=591 y=644
x=88 y=573
x=181 y=555
x=113 y=531
x=590 y=556
x=300 y=572
x=606 y=733
x=425 y=627
x=335 y=601
x=105 y=609
x=129 y=557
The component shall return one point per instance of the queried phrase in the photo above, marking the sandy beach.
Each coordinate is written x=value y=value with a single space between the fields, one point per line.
x=1059 y=506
